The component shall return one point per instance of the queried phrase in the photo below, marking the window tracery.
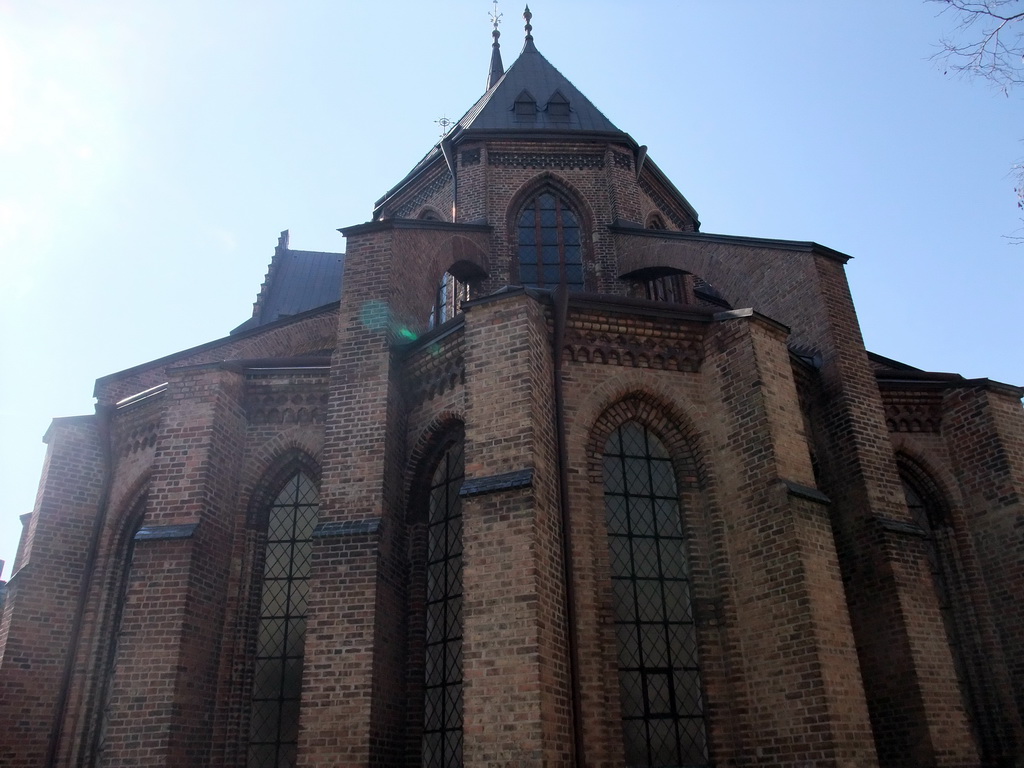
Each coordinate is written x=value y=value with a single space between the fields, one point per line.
x=549 y=237
x=442 y=710
x=281 y=635
x=660 y=687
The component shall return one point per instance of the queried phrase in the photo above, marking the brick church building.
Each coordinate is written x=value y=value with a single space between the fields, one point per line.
x=535 y=474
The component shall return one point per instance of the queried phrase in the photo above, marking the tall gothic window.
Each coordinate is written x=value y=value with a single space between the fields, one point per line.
x=119 y=592
x=659 y=671
x=277 y=679
x=550 y=249
x=442 y=718
x=937 y=535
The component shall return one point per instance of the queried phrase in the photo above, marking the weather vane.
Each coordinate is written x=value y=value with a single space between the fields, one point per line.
x=445 y=124
x=495 y=16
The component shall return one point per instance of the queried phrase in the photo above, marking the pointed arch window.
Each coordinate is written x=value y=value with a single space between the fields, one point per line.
x=938 y=544
x=281 y=636
x=120 y=578
x=660 y=687
x=550 y=243
x=442 y=717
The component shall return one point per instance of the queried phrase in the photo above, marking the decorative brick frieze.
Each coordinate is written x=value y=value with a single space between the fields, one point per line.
x=435 y=368
x=425 y=194
x=622 y=160
x=913 y=411
x=634 y=343
x=135 y=426
x=286 y=397
x=561 y=161
x=471 y=157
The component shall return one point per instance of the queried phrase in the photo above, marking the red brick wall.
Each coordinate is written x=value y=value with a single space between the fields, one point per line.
x=44 y=591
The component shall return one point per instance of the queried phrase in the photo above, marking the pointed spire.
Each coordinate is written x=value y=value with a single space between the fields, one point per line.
x=497 y=69
x=529 y=27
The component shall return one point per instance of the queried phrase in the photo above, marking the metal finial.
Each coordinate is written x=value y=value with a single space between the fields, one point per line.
x=496 y=20
x=497 y=68
x=529 y=28
x=446 y=125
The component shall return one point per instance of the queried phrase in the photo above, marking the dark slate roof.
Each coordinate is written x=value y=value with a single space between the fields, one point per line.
x=494 y=112
x=531 y=72
x=297 y=281
x=304 y=280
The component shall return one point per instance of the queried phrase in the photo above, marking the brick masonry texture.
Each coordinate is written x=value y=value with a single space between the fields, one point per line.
x=822 y=636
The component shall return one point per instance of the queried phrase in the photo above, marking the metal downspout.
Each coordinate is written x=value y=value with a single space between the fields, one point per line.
x=104 y=414
x=560 y=299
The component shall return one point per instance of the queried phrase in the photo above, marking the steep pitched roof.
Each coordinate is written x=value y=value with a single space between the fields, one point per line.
x=495 y=112
x=296 y=281
x=535 y=75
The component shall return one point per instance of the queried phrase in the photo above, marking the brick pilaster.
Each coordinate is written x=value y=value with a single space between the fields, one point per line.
x=164 y=686
x=787 y=593
x=43 y=594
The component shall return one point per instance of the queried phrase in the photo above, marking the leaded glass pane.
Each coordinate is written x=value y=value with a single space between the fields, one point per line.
x=659 y=678
x=549 y=241
x=442 y=716
x=280 y=642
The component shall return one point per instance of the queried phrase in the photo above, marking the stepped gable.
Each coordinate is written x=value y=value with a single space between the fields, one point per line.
x=297 y=281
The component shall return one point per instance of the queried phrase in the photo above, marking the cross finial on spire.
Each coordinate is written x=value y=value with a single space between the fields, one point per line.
x=497 y=69
x=496 y=19
x=529 y=28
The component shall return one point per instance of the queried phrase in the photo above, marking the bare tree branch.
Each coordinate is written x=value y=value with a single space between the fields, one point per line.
x=987 y=40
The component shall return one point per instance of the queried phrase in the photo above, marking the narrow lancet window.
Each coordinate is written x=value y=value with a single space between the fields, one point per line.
x=442 y=719
x=277 y=678
x=937 y=545
x=659 y=671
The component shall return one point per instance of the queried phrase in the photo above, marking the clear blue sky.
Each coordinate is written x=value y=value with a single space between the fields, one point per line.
x=150 y=153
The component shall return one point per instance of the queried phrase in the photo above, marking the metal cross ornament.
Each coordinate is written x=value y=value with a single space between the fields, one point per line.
x=445 y=124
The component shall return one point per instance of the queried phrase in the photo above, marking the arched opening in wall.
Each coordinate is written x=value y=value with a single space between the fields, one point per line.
x=429 y=214
x=451 y=293
x=930 y=514
x=676 y=286
x=655 y=221
x=117 y=590
x=435 y=667
x=549 y=238
x=457 y=285
x=661 y=693
x=291 y=517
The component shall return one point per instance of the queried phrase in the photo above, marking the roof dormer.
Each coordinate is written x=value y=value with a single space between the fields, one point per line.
x=557 y=108
x=525 y=106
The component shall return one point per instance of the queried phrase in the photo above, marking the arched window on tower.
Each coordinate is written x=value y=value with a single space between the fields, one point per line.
x=550 y=243
x=442 y=681
x=659 y=670
x=281 y=635
x=451 y=292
